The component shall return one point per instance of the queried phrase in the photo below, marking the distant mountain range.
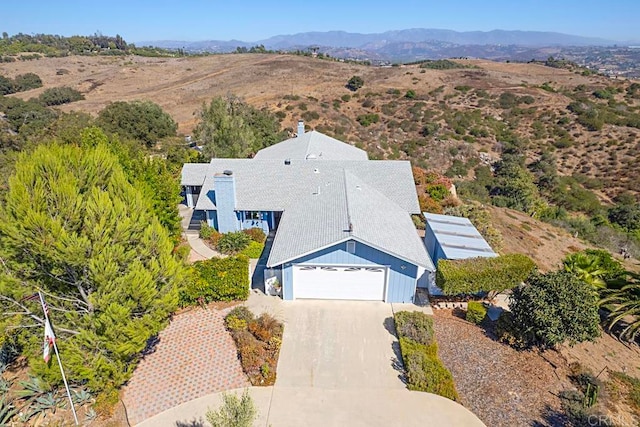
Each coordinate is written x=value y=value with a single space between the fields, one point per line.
x=394 y=45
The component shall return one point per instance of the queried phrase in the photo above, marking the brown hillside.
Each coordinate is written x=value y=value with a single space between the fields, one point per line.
x=462 y=105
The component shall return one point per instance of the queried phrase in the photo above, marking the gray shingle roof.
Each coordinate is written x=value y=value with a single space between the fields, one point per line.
x=383 y=224
x=320 y=199
x=312 y=146
x=194 y=173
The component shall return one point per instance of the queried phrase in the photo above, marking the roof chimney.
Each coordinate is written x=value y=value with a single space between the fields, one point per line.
x=300 y=127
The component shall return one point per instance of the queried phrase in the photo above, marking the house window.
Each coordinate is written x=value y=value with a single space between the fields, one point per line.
x=351 y=247
x=253 y=215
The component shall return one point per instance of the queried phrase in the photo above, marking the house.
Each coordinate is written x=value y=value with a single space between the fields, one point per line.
x=341 y=223
x=452 y=237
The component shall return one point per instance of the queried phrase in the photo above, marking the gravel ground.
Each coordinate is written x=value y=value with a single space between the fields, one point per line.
x=502 y=386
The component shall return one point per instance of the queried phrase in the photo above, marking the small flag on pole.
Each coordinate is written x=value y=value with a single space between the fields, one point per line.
x=33 y=297
x=49 y=340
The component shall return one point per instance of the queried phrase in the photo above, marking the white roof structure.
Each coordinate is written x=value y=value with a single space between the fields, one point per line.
x=458 y=237
x=312 y=146
x=323 y=202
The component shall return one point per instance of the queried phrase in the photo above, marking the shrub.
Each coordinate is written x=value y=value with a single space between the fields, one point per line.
x=27 y=81
x=218 y=279
x=473 y=275
x=553 y=308
x=425 y=372
x=234 y=412
x=59 y=96
x=346 y=97
x=253 y=250
x=411 y=94
x=256 y=234
x=476 y=312
x=415 y=326
x=428 y=374
x=355 y=83
x=241 y=312
x=232 y=243
x=367 y=119
x=206 y=231
x=507 y=332
x=258 y=341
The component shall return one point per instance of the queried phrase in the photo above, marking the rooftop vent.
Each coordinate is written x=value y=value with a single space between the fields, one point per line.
x=287 y=161
x=316 y=170
x=228 y=172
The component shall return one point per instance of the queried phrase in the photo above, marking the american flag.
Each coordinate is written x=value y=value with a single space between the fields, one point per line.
x=35 y=297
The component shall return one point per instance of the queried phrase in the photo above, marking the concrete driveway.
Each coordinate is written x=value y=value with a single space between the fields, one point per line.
x=339 y=345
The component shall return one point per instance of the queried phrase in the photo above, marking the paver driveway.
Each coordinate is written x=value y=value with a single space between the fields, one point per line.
x=195 y=356
x=338 y=345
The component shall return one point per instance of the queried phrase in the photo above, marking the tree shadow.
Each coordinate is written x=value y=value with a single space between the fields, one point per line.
x=396 y=360
x=193 y=423
x=553 y=417
x=152 y=345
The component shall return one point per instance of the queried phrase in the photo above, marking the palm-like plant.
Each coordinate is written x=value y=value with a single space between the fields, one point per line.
x=587 y=268
x=623 y=305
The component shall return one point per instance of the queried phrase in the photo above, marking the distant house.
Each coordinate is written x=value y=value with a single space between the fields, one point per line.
x=341 y=223
x=452 y=237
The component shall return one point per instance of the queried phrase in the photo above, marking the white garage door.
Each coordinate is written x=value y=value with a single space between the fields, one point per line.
x=333 y=282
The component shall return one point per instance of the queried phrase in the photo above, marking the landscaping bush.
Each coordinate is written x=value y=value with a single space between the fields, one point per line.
x=206 y=230
x=232 y=243
x=553 y=308
x=507 y=332
x=473 y=275
x=253 y=250
x=415 y=326
x=425 y=371
x=238 y=318
x=217 y=279
x=428 y=374
x=258 y=342
x=256 y=234
x=476 y=312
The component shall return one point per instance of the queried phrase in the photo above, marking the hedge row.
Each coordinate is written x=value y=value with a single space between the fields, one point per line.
x=473 y=275
x=218 y=279
x=425 y=371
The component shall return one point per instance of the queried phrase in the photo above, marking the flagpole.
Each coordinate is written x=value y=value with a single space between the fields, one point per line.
x=55 y=348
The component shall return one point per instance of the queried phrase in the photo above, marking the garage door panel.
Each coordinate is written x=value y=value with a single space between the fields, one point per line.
x=334 y=282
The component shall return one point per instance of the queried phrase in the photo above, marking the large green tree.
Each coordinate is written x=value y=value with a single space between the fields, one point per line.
x=74 y=227
x=140 y=120
x=230 y=128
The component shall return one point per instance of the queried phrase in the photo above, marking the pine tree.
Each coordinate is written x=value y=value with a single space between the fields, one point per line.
x=74 y=227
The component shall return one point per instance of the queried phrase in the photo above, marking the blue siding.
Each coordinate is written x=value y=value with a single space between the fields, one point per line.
x=212 y=219
x=430 y=242
x=225 y=199
x=401 y=283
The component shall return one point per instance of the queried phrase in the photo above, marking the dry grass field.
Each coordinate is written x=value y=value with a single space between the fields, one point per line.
x=463 y=103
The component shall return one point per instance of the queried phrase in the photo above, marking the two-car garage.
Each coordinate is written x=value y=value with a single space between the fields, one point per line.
x=366 y=283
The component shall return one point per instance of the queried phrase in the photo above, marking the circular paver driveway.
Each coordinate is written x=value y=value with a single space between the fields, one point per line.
x=195 y=356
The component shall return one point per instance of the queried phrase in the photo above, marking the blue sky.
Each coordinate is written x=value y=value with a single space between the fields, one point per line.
x=252 y=20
